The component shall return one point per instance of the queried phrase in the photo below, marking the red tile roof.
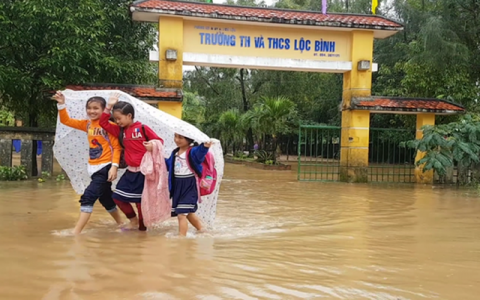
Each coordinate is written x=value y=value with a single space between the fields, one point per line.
x=407 y=105
x=144 y=92
x=270 y=15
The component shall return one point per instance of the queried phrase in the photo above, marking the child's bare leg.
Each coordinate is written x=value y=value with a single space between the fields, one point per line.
x=182 y=225
x=129 y=212
x=109 y=205
x=195 y=221
x=82 y=221
x=116 y=216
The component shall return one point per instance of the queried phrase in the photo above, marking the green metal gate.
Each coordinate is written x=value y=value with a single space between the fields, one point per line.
x=319 y=153
x=389 y=159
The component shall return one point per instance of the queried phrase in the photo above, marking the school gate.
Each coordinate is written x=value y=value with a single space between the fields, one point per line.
x=226 y=36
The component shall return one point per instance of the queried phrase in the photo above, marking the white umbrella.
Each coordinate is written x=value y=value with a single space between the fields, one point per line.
x=71 y=145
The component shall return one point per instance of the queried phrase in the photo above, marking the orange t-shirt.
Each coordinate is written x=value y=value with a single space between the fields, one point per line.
x=101 y=150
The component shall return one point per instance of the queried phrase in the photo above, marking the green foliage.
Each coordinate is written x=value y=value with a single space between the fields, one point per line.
x=13 y=173
x=273 y=116
x=44 y=177
x=436 y=56
x=47 y=44
x=231 y=129
x=6 y=118
x=60 y=177
x=264 y=156
x=240 y=155
x=456 y=143
x=193 y=109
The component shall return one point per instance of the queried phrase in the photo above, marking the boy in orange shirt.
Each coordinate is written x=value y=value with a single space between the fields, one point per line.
x=103 y=162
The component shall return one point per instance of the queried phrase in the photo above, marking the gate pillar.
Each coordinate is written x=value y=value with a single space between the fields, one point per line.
x=356 y=123
x=170 y=62
x=420 y=176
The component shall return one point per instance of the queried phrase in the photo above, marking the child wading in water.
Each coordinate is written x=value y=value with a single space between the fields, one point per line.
x=135 y=137
x=103 y=162
x=183 y=184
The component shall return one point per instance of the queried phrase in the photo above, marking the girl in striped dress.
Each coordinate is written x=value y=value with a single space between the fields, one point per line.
x=183 y=185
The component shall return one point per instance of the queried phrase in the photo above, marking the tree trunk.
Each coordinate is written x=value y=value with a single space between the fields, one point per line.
x=250 y=141
x=274 y=150
x=288 y=146
x=246 y=107
x=33 y=122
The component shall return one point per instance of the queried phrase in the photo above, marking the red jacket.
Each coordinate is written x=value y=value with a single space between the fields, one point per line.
x=132 y=139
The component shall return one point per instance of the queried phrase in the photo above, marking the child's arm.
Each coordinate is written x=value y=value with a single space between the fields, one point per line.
x=111 y=128
x=117 y=149
x=198 y=153
x=168 y=161
x=67 y=121
x=151 y=135
x=64 y=117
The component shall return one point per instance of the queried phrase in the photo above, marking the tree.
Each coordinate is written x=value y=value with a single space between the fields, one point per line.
x=6 y=118
x=434 y=57
x=47 y=44
x=273 y=117
x=231 y=129
x=446 y=145
x=193 y=109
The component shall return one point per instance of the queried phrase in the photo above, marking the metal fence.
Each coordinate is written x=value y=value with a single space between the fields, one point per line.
x=319 y=153
x=389 y=159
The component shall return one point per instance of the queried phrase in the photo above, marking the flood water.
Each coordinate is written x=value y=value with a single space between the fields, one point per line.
x=275 y=238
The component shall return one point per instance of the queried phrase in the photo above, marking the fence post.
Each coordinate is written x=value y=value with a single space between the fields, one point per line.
x=47 y=157
x=299 y=151
x=26 y=154
x=6 y=152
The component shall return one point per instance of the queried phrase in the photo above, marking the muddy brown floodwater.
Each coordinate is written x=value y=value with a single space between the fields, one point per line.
x=275 y=238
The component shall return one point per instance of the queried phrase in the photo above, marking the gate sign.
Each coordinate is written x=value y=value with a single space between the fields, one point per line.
x=265 y=41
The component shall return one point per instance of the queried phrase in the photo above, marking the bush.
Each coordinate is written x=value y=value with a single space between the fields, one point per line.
x=44 y=177
x=448 y=145
x=264 y=156
x=240 y=155
x=13 y=173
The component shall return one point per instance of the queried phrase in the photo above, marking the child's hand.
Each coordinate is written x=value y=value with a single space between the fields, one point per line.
x=148 y=146
x=113 y=100
x=208 y=144
x=59 y=97
x=112 y=174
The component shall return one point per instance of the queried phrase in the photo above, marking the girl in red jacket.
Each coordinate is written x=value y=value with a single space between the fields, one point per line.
x=135 y=136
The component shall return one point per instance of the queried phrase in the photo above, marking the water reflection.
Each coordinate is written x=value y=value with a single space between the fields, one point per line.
x=275 y=238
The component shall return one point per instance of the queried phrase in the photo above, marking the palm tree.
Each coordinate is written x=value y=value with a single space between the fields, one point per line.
x=193 y=110
x=272 y=117
x=231 y=129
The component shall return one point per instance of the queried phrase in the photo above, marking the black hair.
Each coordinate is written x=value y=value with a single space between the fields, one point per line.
x=191 y=141
x=124 y=108
x=98 y=100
